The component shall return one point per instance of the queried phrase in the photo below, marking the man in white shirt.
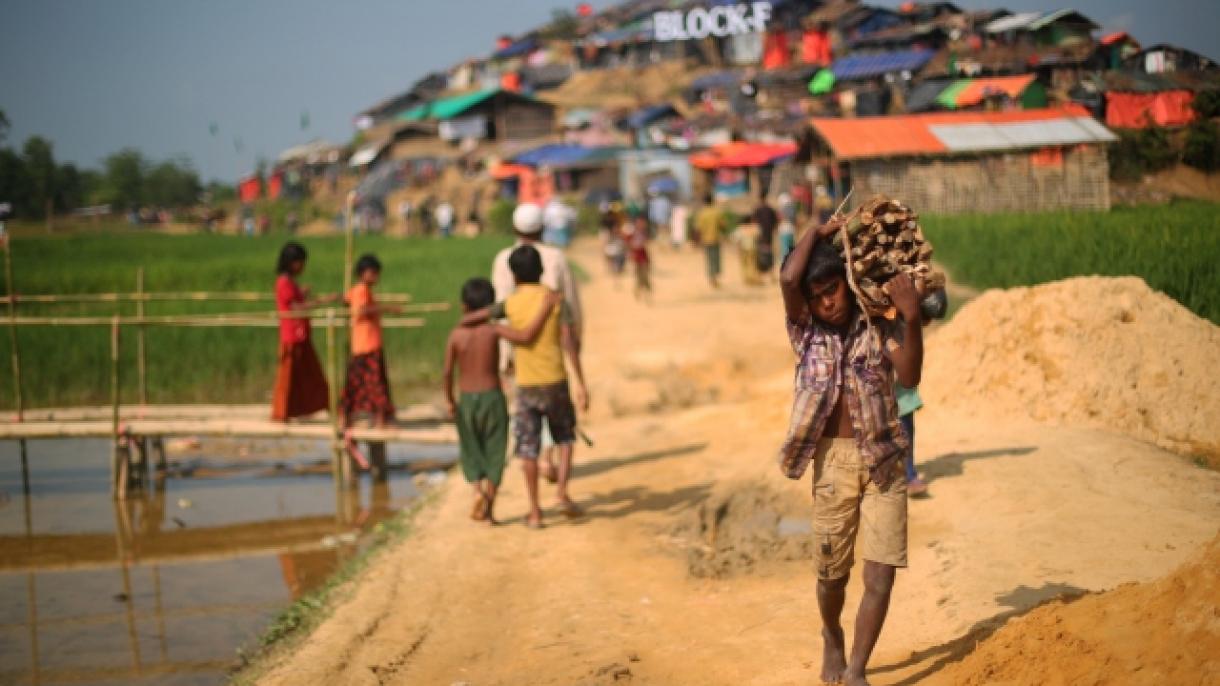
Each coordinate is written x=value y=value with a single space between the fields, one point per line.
x=557 y=220
x=556 y=275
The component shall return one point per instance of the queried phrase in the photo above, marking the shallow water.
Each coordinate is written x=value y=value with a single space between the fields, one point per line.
x=163 y=589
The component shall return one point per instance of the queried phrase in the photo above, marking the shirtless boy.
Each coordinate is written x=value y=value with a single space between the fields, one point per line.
x=845 y=421
x=481 y=414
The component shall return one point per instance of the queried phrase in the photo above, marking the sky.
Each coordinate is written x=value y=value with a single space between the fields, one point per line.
x=95 y=76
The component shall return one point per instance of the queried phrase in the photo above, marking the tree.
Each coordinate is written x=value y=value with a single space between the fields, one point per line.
x=4 y=126
x=123 y=179
x=41 y=172
x=172 y=184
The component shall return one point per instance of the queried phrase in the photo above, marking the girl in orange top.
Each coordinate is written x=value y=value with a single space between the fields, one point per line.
x=368 y=387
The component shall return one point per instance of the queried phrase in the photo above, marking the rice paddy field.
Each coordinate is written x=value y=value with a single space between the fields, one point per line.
x=71 y=366
x=1175 y=248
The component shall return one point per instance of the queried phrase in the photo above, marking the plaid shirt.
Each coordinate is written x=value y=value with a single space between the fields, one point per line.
x=830 y=364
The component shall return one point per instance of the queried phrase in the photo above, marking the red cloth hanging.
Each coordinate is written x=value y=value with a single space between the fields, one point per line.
x=775 y=50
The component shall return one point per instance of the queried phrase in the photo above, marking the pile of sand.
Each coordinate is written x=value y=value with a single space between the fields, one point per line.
x=1164 y=632
x=1104 y=352
x=624 y=87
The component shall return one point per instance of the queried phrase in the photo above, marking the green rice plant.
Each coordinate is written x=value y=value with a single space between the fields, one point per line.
x=1173 y=247
x=71 y=366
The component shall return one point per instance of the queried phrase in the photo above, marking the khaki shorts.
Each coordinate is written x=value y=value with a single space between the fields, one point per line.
x=850 y=511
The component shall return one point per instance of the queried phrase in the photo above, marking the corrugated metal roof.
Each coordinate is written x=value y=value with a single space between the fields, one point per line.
x=1052 y=17
x=1019 y=20
x=867 y=66
x=959 y=132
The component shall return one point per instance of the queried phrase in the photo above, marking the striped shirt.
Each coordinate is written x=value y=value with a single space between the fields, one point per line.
x=830 y=364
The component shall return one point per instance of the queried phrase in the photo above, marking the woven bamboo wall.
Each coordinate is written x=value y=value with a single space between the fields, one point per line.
x=1002 y=182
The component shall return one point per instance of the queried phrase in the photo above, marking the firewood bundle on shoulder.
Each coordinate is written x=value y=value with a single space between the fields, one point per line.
x=886 y=239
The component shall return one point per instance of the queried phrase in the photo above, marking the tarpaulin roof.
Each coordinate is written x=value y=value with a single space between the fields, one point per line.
x=447 y=108
x=647 y=115
x=563 y=155
x=959 y=132
x=508 y=171
x=867 y=66
x=742 y=154
x=720 y=79
x=923 y=96
x=368 y=153
x=1033 y=21
x=967 y=92
x=516 y=49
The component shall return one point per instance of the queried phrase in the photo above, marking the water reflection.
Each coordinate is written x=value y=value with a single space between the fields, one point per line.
x=162 y=588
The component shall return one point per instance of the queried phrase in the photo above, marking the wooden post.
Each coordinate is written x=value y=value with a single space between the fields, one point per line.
x=118 y=475
x=50 y=214
x=337 y=454
x=141 y=361
x=14 y=351
x=347 y=249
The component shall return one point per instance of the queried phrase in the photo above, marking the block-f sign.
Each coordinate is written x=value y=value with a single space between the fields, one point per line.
x=719 y=21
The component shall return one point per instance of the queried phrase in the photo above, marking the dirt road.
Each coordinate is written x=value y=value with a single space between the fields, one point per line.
x=691 y=566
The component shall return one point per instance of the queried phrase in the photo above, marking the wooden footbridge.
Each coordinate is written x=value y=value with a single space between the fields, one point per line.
x=137 y=431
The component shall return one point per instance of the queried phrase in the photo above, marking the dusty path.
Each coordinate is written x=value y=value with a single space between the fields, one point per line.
x=690 y=400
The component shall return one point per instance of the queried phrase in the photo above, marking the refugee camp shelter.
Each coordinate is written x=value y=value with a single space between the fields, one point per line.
x=971 y=161
x=492 y=114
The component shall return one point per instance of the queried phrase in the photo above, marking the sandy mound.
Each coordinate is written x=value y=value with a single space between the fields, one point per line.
x=1165 y=632
x=1105 y=352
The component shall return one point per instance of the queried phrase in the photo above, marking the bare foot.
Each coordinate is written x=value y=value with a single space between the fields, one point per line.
x=834 y=656
x=855 y=680
x=534 y=520
x=479 y=511
x=569 y=508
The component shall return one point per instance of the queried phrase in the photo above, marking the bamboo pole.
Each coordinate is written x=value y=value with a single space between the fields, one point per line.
x=141 y=361
x=222 y=320
x=332 y=375
x=199 y=296
x=117 y=490
x=14 y=350
x=347 y=249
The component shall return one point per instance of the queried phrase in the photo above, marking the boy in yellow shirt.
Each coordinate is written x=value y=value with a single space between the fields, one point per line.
x=542 y=378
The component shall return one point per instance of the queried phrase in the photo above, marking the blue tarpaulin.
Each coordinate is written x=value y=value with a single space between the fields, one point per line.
x=562 y=155
x=647 y=115
x=867 y=66
x=517 y=49
x=720 y=79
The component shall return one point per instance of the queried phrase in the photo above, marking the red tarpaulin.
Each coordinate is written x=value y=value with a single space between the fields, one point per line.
x=742 y=154
x=274 y=185
x=248 y=189
x=815 y=47
x=775 y=50
x=1141 y=110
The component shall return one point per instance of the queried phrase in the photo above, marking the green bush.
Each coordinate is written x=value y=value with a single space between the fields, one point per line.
x=1201 y=148
x=500 y=215
x=1139 y=152
x=1207 y=104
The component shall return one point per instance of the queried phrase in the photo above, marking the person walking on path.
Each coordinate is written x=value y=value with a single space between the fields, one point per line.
x=481 y=413
x=445 y=216
x=542 y=379
x=367 y=388
x=300 y=384
x=767 y=220
x=711 y=225
x=636 y=238
x=908 y=403
x=845 y=422
x=677 y=226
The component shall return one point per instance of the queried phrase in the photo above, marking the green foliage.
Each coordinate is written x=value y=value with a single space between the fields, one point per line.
x=588 y=218
x=1141 y=151
x=1201 y=149
x=1207 y=104
x=500 y=215
x=71 y=366
x=563 y=26
x=172 y=184
x=1172 y=247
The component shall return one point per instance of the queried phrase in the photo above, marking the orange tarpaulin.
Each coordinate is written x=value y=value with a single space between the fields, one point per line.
x=508 y=171
x=249 y=189
x=741 y=154
x=815 y=47
x=1012 y=86
x=1141 y=110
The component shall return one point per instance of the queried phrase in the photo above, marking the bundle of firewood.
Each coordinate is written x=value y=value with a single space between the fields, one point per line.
x=885 y=239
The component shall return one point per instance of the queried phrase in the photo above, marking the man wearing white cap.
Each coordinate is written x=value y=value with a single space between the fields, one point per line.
x=556 y=275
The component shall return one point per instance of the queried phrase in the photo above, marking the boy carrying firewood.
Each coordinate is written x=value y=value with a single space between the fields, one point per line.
x=845 y=422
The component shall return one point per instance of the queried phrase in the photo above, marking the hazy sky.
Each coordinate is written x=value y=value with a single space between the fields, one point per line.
x=98 y=75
